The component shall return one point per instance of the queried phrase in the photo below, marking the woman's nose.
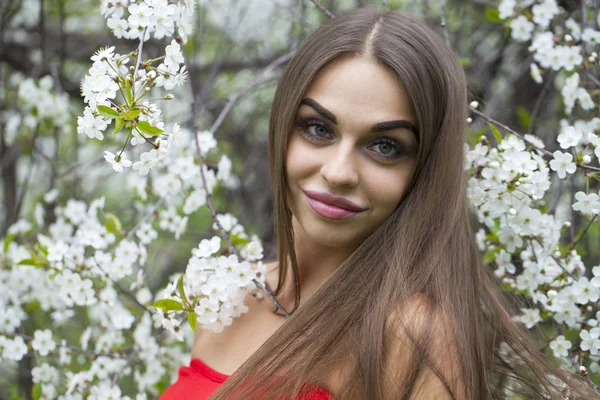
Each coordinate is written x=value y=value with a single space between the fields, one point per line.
x=339 y=167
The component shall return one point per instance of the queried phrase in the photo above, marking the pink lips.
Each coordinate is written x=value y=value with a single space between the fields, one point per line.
x=330 y=206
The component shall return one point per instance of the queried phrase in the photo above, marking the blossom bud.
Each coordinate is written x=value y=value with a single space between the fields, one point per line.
x=469 y=120
x=151 y=74
x=566 y=224
x=512 y=211
x=169 y=97
x=517 y=183
x=552 y=293
x=583 y=370
x=556 y=254
x=148 y=89
x=568 y=37
x=591 y=58
x=474 y=104
x=587 y=159
x=594 y=54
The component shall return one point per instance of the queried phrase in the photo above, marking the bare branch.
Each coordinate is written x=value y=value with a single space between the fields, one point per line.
x=321 y=7
x=443 y=23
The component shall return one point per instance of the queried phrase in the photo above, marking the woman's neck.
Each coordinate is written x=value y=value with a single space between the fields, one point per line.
x=316 y=263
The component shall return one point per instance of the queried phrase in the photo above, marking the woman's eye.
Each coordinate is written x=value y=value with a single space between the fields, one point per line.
x=388 y=148
x=313 y=129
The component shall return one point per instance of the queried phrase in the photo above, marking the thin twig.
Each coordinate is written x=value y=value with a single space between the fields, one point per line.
x=28 y=176
x=284 y=58
x=321 y=7
x=538 y=102
x=443 y=23
x=223 y=233
x=125 y=292
x=506 y=128
x=583 y=233
x=148 y=215
x=128 y=361
x=556 y=260
x=137 y=61
x=78 y=350
x=572 y=210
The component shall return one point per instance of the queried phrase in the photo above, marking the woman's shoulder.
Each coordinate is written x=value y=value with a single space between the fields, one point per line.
x=416 y=329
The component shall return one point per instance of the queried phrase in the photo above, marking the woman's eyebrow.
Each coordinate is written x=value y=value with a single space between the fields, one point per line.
x=379 y=127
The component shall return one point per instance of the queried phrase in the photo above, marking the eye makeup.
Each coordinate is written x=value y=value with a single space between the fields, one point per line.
x=385 y=148
x=379 y=127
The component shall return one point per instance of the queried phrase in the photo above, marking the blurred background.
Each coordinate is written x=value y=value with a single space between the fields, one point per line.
x=233 y=41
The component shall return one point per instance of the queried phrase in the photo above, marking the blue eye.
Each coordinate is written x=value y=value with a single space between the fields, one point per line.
x=386 y=149
x=389 y=148
x=320 y=131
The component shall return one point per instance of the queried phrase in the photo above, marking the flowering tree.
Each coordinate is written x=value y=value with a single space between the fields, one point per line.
x=80 y=316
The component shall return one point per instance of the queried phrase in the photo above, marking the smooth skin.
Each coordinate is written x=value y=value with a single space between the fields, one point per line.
x=336 y=153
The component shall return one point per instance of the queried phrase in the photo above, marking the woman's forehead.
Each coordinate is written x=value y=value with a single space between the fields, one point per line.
x=362 y=89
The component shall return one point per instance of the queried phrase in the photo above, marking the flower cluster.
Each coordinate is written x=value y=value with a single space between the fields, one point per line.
x=508 y=183
x=41 y=106
x=141 y=119
x=157 y=18
x=212 y=290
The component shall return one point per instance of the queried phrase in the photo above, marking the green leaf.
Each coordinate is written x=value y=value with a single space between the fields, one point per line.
x=36 y=392
x=28 y=261
x=131 y=115
x=148 y=129
x=107 y=112
x=496 y=132
x=118 y=125
x=490 y=255
x=168 y=305
x=112 y=223
x=192 y=319
x=33 y=306
x=128 y=92
x=181 y=291
x=493 y=15
x=7 y=240
x=524 y=117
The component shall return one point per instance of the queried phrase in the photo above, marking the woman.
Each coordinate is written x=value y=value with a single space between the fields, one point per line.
x=377 y=266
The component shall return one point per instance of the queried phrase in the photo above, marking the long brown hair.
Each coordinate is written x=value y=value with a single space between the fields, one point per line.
x=425 y=248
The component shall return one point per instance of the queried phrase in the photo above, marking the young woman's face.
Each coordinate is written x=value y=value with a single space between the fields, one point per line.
x=352 y=140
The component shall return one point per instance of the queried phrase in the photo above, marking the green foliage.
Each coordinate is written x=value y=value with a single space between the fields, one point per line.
x=108 y=112
x=168 y=305
x=119 y=122
x=192 y=320
x=524 y=117
x=493 y=15
x=182 y=292
x=490 y=255
x=145 y=127
x=496 y=132
x=113 y=224
x=36 y=392
x=7 y=240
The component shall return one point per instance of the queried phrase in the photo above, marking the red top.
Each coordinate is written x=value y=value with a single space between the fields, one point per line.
x=198 y=381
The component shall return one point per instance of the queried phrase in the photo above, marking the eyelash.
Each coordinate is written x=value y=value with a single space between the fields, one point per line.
x=398 y=146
